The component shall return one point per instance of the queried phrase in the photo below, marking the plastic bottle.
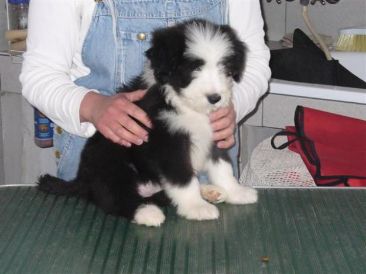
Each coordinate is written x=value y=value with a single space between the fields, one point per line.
x=43 y=130
x=18 y=14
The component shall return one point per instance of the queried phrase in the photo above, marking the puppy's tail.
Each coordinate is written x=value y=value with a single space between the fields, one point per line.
x=54 y=185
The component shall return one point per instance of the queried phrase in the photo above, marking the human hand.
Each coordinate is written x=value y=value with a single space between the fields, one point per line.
x=112 y=116
x=223 y=125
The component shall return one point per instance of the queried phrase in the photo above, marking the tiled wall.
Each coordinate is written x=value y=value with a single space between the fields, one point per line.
x=327 y=19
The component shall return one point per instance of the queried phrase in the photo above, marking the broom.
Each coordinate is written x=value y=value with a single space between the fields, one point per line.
x=352 y=39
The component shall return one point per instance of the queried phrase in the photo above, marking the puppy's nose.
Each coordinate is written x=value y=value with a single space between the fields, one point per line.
x=213 y=98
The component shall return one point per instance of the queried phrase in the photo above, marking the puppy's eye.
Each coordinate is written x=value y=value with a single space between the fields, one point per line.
x=229 y=74
x=197 y=69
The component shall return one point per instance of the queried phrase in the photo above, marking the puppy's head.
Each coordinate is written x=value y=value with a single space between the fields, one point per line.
x=197 y=62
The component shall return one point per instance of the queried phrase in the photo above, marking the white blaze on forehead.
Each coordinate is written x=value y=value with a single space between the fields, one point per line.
x=207 y=43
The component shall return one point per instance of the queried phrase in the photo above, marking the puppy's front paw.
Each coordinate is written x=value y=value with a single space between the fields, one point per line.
x=199 y=211
x=149 y=215
x=242 y=195
x=213 y=194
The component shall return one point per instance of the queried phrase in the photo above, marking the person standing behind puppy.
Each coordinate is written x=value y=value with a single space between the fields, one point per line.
x=79 y=52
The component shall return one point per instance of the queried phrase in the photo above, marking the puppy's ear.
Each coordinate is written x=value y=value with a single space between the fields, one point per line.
x=149 y=53
x=158 y=62
x=152 y=55
x=166 y=53
x=235 y=62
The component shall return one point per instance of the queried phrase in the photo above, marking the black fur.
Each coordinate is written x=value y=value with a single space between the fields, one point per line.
x=109 y=174
x=167 y=57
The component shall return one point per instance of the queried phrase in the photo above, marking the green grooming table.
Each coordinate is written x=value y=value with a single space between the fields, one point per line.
x=300 y=231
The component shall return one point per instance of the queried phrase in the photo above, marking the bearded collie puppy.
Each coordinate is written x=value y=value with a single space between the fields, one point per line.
x=190 y=71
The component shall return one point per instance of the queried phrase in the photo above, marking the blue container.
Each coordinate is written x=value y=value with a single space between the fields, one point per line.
x=43 y=130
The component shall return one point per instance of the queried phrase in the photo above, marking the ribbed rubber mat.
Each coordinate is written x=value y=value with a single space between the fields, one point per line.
x=302 y=231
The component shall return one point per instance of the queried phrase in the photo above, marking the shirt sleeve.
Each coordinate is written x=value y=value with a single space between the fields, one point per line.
x=246 y=18
x=53 y=37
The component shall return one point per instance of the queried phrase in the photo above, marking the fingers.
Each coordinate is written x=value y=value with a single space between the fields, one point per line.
x=227 y=143
x=126 y=105
x=137 y=113
x=127 y=116
x=117 y=133
x=108 y=133
x=223 y=126
x=126 y=137
x=222 y=118
x=127 y=129
x=135 y=95
x=117 y=118
x=220 y=113
x=222 y=123
x=224 y=133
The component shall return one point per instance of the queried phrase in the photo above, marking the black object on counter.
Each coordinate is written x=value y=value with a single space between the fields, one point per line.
x=306 y=62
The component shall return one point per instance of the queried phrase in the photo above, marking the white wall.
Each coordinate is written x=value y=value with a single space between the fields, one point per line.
x=327 y=19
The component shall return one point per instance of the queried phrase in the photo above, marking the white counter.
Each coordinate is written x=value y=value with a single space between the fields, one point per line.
x=315 y=91
x=353 y=61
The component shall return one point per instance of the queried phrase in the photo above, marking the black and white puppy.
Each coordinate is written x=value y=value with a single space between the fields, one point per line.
x=190 y=72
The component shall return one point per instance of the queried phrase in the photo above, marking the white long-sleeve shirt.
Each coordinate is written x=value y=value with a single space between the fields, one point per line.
x=56 y=32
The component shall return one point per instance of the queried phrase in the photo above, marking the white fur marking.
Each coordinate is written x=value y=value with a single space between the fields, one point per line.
x=190 y=203
x=148 y=74
x=207 y=43
x=200 y=131
x=149 y=215
x=221 y=174
x=148 y=189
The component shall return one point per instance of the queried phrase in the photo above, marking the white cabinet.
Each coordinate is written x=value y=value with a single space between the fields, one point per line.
x=21 y=161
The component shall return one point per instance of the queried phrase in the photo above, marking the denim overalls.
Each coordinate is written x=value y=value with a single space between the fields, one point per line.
x=114 y=62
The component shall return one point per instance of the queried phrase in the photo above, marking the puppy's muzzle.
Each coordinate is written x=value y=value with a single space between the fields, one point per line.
x=213 y=98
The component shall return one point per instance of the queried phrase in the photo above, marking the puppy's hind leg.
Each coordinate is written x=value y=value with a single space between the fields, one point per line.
x=121 y=198
x=189 y=202
x=149 y=215
x=220 y=173
x=136 y=209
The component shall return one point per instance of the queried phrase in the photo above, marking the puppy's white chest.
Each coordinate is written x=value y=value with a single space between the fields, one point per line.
x=198 y=127
x=200 y=133
x=201 y=137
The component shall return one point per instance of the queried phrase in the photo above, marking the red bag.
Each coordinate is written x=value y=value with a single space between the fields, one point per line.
x=332 y=146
